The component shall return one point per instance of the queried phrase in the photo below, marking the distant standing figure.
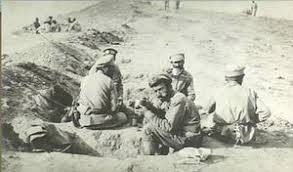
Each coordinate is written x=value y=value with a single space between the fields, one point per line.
x=166 y=4
x=177 y=4
x=253 y=8
x=37 y=25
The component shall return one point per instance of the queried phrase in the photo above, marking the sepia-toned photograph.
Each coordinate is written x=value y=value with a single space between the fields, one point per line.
x=146 y=86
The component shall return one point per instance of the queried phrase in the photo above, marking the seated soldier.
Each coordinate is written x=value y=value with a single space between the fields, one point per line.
x=182 y=80
x=236 y=109
x=114 y=72
x=179 y=126
x=98 y=99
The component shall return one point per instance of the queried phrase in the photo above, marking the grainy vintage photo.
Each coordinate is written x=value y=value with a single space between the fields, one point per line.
x=146 y=86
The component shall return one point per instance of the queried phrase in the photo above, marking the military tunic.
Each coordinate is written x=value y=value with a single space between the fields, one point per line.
x=98 y=102
x=183 y=83
x=115 y=74
x=179 y=128
x=240 y=108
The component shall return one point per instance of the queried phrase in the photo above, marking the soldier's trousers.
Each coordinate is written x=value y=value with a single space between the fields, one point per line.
x=155 y=134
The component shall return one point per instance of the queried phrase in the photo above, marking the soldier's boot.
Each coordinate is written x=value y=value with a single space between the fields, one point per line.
x=163 y=150
x=150 y=147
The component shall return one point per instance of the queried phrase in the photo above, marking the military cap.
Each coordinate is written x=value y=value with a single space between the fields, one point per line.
x=234 y=70
x=177 y=57
x=104 y=61
x=110 y=51
x=156 y=80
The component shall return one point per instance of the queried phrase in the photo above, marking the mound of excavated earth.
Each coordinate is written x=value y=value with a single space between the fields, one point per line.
x=61 y=56
x=117 y=13
x=94 y=39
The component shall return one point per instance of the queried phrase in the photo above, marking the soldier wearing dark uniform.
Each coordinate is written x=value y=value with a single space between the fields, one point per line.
x=176 y=123
x=177 y=4
x=167 y=4
x=253 y=8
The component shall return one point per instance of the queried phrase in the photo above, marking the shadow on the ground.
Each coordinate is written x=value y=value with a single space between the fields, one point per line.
x=282 y=138
x=215 y=159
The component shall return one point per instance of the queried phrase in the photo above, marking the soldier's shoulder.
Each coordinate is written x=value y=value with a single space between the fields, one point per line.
x=186 y=73
x=104 y=78
x=116 y=67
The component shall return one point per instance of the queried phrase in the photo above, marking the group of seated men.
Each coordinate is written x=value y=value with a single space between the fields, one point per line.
x=171 y=119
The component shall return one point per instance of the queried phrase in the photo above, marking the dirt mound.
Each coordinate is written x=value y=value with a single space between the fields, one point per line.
x=61 y=56
x=93 y=39
x=110 y=14
x=119 y=143
x=36 y=91
x=275 y=123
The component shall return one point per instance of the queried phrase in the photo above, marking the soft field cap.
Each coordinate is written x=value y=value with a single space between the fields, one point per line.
x=234 y=70
x=177 y=57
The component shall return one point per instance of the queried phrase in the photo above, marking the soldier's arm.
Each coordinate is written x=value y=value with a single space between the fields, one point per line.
x=117 y=79
x=113 y=97
x=262 y=111
x=172 y=118
x=154 y=106
x=120 y=86
x=190 y=90
x=93 y=69
x=210 y=106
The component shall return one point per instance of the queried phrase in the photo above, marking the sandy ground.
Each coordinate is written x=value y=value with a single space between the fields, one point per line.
x=242 y=160
x=210 y=41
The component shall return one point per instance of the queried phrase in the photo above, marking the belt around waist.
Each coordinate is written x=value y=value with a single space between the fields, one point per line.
x=87 y=110
x=94 y=119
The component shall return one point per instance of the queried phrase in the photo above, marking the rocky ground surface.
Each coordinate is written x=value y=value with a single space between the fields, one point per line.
x=41 y=79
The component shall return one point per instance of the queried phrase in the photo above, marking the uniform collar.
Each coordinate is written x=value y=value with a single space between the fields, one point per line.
x=180 y=73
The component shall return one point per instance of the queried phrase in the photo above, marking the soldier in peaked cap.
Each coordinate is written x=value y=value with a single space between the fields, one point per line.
x=113 y=72
x=96 y=109
x=236 y=109
x=98 y=102
x=182 y=80
x=178 y=127
x=110 y=51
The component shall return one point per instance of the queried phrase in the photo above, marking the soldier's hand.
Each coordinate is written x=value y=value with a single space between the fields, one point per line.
x=140 y=110
x=146 y=103
x=120 y=101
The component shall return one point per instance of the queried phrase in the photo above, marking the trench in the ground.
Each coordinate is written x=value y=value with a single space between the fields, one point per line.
x=51 y=101
x=43 y=94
